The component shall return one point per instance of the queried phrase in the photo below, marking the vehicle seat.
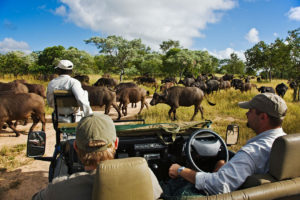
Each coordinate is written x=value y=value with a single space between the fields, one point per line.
x=64 y=98
x=282 y=182
x=127 y=178
x=283 y=162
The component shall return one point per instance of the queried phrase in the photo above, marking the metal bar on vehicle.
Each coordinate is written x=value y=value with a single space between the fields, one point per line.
x=44 y=158
x=130 y=120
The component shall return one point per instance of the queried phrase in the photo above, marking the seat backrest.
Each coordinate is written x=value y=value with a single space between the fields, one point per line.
x=284 y=162
x=64 y=98
x=127 y=178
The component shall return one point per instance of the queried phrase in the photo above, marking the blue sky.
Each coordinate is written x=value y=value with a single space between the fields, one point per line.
x=218 y=26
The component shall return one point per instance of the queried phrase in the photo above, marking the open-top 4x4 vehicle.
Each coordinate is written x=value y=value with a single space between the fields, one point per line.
x=190 y=144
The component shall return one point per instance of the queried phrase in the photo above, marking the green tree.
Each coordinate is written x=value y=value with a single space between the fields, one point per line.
x=234 y=65
x=257 y=57
x=294 y=45
x=167 y=45
x=119 y=51
x=178 y=61
x=83 y=62
x=15 y=62
x=49 y=57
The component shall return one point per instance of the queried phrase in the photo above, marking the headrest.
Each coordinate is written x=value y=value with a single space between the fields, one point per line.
x=284 y=162
x=127 y=178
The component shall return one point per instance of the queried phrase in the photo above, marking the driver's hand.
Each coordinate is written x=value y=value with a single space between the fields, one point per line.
x=173 y=170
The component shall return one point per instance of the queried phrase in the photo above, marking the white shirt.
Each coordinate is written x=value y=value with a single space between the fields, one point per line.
x=65 y=82
x=253 y=158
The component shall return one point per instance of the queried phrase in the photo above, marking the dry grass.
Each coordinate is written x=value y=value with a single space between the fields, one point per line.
x=225 y=112
x=12 y=157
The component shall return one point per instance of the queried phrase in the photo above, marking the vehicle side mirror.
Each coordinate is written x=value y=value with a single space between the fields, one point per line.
x=36 y=144
x=232 y=134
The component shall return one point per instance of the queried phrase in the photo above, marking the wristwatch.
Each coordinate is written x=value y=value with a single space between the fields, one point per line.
x=179 y=170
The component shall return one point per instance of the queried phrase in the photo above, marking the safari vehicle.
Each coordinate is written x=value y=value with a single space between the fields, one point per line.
x=191 y=144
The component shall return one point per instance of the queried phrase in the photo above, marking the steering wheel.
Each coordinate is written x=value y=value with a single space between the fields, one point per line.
x=206 y=143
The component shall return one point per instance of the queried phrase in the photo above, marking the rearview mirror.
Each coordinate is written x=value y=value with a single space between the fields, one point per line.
x=232 y=134
x=36 y=144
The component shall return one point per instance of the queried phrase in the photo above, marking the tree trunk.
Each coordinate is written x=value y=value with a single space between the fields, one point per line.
x=121 y=74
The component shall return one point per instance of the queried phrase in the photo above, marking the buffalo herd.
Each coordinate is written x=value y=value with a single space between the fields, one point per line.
x=21 y=100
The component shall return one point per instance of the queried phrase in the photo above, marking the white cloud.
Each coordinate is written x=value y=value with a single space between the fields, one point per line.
x=252 y=36
x=9 y=44
x=152 y=21
x=275 y=34
x=225 y=54
x=294 y=13
x=61 y=11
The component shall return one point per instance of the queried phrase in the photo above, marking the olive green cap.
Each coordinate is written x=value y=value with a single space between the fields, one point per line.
x=95 y=132
x=269 y=103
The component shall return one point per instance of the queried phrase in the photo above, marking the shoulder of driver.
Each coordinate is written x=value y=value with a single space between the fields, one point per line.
x=63 y=178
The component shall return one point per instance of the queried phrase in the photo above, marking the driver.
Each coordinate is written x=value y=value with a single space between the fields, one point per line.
x=265 y=116
x=95 y=141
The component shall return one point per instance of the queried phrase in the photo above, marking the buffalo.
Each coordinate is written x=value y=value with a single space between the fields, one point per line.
x=264 y=89
x=187 y=81
x=180 y=96
x=20 y=107
x=201 y=85
x=108 y=82
x=13 y=87
x=132 y=95
x=169 y=79
x=281 y=89
x=244 y=87
x=145 y=80
x=100 y=96
x=224 y=85
x=85 y=79
x=121 y=86
x=212 y=85
x=227 y=77
x=166 y=86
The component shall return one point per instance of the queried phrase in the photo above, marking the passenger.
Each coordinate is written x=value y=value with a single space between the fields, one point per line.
x=265 y=116
x=95 y=141
x=65 y=82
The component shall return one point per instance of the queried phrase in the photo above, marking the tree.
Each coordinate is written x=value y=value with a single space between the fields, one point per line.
x=15 y=62
x=83 y=62
x=49 y=57
x=178 y=61
x=234 y=65
x=294 y=44
x=258 y=57
x=118 y=50
x=167 y=45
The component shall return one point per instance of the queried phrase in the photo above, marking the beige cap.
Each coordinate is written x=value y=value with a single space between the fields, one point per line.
x=269 y=103
x=65 y=64
x=95 y=132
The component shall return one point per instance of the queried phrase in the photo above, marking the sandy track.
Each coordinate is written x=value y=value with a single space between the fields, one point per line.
x=31 y=178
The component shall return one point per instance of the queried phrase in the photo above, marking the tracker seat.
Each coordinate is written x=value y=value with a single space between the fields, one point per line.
x=126 y=179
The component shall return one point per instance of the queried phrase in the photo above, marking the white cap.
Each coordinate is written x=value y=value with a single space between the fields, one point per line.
x=65 y=64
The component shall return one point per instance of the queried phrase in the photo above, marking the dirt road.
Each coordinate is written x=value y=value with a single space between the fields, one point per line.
x=26 y=180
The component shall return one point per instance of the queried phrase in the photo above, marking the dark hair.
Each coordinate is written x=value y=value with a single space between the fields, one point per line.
x=274 y=121
x=63 y=71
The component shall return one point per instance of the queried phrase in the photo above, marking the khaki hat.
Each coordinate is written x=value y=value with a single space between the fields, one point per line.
x=269 y=103
x=65 y=64
x=95 y=132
